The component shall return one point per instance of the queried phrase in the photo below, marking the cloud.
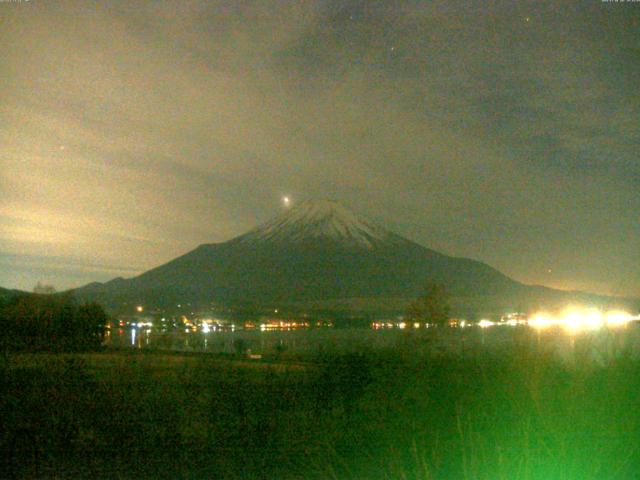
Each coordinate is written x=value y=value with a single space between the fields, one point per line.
x=134 y=132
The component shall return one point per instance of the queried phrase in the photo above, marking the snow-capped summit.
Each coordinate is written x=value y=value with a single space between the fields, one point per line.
x=321 y=220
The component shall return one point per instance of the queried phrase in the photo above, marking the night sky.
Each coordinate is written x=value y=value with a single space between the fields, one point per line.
x=508 y=132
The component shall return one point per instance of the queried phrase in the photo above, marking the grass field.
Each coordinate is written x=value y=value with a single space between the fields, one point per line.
x=517 y=414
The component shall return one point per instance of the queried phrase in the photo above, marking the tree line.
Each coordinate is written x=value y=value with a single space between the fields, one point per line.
x=37 y=322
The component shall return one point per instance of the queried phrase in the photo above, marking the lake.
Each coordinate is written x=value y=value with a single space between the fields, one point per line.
x=597 y=345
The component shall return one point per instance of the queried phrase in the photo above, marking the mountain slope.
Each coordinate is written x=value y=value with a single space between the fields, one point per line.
x=6 y=294
x=316 y=252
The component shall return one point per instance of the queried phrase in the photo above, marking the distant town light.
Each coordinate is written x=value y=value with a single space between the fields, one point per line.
x=541 y=321
x=617 y=318
x=576 y=319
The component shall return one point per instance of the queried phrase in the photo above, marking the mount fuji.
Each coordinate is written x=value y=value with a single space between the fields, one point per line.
x=316 y=255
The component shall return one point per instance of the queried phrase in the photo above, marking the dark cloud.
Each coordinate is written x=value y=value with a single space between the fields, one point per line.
x=133 y=131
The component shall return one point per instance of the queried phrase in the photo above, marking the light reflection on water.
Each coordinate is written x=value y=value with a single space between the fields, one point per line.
x=598 y=346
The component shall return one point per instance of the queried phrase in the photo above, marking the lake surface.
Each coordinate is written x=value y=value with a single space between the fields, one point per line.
x=598 y=345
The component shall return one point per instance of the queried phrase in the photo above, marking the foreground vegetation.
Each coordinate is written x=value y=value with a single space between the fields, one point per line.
x=517 y=414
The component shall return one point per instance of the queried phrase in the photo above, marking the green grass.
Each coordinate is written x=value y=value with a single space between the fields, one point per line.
x=516 y=414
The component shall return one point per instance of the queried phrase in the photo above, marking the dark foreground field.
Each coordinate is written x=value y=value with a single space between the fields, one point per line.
x=514 y=415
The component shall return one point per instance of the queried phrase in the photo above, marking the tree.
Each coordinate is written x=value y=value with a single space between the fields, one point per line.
x=89 y=325
x=432 y=306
